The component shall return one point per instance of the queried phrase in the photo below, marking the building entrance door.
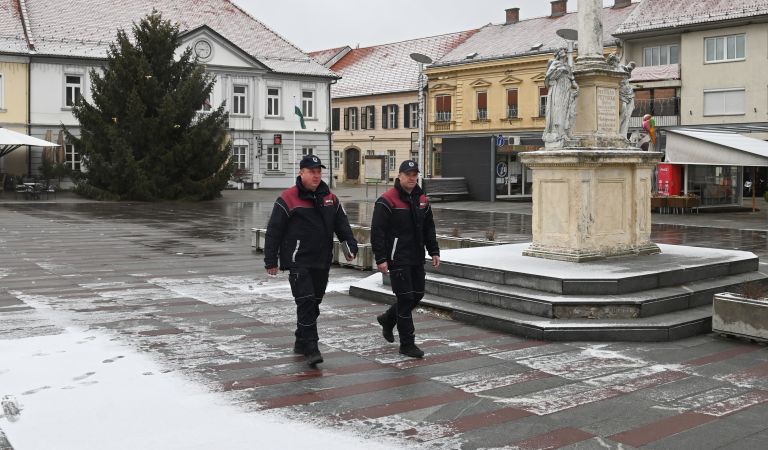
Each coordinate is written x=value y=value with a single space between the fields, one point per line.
x=352 y=164
x=513 y=179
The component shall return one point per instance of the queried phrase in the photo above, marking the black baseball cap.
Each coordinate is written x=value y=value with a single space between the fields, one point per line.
x=409 y=165
x=310 y=162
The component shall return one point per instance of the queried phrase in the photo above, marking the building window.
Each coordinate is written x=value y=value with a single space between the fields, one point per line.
x=350 y=118
x=543 y=91
x=71 y=157
x=443 y=108
x=273 y=159
x=308 y=104
x=656 y=102
x=370 y=152
x=368 y=118
x=724 y=102
x=389 y=116
x=273 y=102
x=307 y=151
x=336 y=159
x=661 y=55
x=724 y=48
x=482 y=105
x=391 y=163
x=238 y=100
x=239 y=153
x=511 y=103
x=73 y=89
x=411 y=116
x=335 y=119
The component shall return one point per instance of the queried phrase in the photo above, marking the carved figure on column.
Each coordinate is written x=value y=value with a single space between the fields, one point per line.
x=627 y=99
x=561 y=100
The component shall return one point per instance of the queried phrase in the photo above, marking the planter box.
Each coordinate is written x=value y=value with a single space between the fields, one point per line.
x=471 y=243
x=735 y=315
x=449 y=242
x=363 y=260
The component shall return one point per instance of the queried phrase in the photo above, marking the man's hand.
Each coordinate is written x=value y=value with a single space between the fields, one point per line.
x=435 y=261
x=272 y=271
x=349 y=257
x=383 y=267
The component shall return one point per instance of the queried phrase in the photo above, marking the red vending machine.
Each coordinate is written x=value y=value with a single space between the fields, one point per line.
x=670 y=179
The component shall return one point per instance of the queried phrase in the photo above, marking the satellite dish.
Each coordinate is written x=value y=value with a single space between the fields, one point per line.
x=568 y=34
x=418 y=57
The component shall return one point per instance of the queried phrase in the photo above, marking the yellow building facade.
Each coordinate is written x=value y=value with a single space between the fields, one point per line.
x=14 y=96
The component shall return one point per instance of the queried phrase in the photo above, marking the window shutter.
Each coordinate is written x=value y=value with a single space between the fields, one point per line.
x=482 y=100
x=335 y=119
x=384 y=117
x=372 y=112
x=396 y=118
x=407 y=116
x=357 y=118
x=346 y=118
x=512 y=97
x=364 y=118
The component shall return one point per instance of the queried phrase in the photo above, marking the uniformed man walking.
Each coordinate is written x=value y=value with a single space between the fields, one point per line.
x=300 y=233
x=402 y=226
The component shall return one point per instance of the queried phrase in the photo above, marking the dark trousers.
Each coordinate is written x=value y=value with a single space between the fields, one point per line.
x=408 y=286
x=308 y=287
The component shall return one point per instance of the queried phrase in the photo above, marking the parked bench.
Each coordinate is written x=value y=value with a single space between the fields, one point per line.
x=445 y=187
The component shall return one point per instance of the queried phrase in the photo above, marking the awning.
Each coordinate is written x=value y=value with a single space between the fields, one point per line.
x=713 y=148
x=11 y=140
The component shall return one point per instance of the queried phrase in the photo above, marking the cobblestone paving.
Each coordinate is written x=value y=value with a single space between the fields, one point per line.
x=180 y=281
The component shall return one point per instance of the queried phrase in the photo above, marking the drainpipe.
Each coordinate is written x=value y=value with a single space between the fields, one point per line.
x=29 y=115
x=332 y=183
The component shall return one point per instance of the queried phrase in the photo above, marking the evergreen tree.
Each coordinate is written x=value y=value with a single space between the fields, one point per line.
x=143 y=138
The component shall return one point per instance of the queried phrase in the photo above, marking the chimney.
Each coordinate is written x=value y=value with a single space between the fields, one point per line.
x=621 y=3
x=559 y=8
x=513 y=15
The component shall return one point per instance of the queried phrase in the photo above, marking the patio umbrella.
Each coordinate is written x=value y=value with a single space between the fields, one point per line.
x=11 y=140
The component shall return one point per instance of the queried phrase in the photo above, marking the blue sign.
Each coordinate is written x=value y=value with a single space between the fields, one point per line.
x=501 y=169
x=500 y=141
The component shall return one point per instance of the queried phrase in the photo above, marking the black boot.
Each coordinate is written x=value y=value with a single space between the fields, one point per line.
x=312 y=354
x=386 y=327
x=298 y=347
x=411 y=350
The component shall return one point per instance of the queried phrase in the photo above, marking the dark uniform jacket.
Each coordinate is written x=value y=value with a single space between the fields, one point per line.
x=402 y=226
x=300 y=230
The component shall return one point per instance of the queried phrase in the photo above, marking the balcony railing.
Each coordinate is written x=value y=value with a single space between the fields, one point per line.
x=511 y=112
x=443 y=116
x=657 y=107
x=482 y=114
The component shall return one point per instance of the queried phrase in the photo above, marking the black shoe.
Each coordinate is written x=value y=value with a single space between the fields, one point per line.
x=298 y=347
x=411 y=350
x=386 y=329
x=314 y=358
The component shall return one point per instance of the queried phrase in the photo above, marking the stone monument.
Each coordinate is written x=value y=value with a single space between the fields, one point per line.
x=591 y=190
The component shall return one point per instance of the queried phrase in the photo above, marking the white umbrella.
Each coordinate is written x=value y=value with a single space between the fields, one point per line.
x=11 y=140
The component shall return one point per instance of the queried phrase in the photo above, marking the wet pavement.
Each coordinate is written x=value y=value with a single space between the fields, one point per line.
x=180 y=282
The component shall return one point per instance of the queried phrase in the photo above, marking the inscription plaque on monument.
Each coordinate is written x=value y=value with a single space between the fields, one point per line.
x=607 y=110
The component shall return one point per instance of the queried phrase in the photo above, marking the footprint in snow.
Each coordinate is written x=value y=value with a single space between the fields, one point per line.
x=83 y=376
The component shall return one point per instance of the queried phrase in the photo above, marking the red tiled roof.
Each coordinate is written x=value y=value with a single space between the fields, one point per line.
x=389 y=68
x=664 y=14
x=656 y=73
x=530 y=36
x=83 y=28
x=12 y=38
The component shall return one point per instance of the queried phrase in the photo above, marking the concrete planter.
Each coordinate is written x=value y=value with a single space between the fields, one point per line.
x=258 y=236
x=471 y=243
x=363 y=260
x=733 y=314
x=449 y=242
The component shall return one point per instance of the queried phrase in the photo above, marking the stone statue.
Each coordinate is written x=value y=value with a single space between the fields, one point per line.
x=561 y=101
x=627 y=99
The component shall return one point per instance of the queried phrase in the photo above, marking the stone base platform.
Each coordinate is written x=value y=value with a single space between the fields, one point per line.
x=641 y=298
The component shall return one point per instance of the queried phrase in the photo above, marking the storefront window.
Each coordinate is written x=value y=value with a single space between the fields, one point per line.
x=716 y=185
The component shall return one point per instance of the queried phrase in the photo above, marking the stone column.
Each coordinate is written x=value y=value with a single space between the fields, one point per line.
x=590 y=15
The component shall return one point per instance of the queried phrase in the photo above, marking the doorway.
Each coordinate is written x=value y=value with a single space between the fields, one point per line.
x=352 y=164
x=513 y=178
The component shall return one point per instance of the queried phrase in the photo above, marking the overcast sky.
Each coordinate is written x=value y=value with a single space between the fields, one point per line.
x=322 y=24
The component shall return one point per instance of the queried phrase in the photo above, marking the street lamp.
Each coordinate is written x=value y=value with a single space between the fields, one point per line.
x=569 y=35
x=421 y=59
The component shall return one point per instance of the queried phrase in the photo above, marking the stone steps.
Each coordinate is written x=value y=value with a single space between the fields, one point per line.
x=660 y=327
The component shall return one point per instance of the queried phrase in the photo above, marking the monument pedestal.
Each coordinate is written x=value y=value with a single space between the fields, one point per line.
x=590 y=204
